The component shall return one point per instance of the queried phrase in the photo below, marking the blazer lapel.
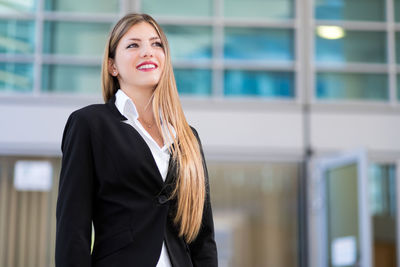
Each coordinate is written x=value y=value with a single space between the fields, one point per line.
x=111 y=104
x=170 y=178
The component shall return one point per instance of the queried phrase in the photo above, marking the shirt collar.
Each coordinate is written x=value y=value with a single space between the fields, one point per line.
x=125 y=105
x=128 y=109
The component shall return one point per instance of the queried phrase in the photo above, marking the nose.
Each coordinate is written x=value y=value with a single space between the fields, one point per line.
x=147 y=50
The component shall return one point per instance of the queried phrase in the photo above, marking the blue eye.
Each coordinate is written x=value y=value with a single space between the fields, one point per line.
x=158 y=44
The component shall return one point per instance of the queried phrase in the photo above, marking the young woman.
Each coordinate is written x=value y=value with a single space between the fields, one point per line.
x=134 y=166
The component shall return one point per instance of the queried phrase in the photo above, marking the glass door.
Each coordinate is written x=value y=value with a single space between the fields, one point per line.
x=340 y=221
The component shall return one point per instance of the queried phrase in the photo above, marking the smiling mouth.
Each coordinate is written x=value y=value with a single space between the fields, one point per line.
x=147 y=67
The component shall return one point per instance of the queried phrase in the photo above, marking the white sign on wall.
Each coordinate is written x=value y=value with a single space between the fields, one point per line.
x=32 y=175
x=344 y=251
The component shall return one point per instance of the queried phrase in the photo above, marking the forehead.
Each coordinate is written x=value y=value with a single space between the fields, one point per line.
x=141 y=30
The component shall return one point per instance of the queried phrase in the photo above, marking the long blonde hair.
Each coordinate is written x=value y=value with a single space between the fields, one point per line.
x=190 y=182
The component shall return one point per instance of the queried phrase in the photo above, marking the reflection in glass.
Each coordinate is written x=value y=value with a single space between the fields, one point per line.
x=189 y=42
x=382 y=191
x=259 y=9
x=355 y=46
x=17 y=36
x=8 y=6
x=369 y=10
x=87 y=6
x=71 y=79
x=255 y=208
x=172 y=8
x=398 y=87
x=193 y=81
x=86 y=39
x=352 y=86
x=259 y=83
x=398 y=47
x=16 y=77
x=342 y=216
x=259 y=44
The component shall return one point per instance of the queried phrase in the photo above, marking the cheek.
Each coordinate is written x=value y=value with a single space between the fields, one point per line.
x=161 y=59
x=125 y=59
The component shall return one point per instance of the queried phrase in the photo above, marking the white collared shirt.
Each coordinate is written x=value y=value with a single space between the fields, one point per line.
x=161 y=155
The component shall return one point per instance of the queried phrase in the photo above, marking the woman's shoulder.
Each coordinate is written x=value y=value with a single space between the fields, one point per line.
x=194 y=131
x=89 y=112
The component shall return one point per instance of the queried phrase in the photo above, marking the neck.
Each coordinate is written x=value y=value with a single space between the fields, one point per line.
x=142 y=100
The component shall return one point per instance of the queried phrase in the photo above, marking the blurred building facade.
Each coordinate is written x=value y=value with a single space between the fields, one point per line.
x=297 y=103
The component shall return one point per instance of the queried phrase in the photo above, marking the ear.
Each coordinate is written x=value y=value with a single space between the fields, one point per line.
x=112 y=69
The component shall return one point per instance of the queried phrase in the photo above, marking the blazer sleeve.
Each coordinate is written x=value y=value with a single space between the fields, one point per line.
x=74 y=203
x=203 y=249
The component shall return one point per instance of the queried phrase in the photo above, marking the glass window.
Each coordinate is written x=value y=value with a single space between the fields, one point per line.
x=16 y=77
x=259 y=44
x=259 y=8
x=177 y=7
x=397 y=9
x=354 y=46
x=88 y=6
x=70 y=78
x=8 y=6
x=17 y=36
x=382 y=191
x=86 y=39
x=193 y=81
x=353 y=86
x=189 y=42
x=398 y=87
x=369 y=10
x=259 y=83
x=256 y=214
x=398 y=47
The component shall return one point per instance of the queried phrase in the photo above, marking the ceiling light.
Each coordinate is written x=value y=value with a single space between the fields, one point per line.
x=331 y=32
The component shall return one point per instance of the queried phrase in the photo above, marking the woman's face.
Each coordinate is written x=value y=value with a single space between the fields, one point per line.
x=139 y=58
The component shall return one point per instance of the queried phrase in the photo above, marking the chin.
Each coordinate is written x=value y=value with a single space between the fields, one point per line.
x=149 y=85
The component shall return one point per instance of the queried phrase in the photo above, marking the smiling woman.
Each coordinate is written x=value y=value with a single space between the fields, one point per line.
x=138 y=61
x=134 y=166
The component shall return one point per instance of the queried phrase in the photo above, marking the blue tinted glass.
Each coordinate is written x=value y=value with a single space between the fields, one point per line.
x=8 y=6
x=258 y=44
x=398 y=47
x=352 y=86
x=73 y=79
x=370 y=10
x=398 y=86
x=259 y=83
x=189 y=42
x=178 y=7
x=87 y=6
x=382 y=191
x=17 y=36
x=259 y=8
x=16 y=77
x=193 y=81
x=355 y=46
x=78 y=38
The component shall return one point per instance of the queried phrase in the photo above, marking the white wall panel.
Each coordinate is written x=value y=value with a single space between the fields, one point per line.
x=344 y=131
x=30 y=128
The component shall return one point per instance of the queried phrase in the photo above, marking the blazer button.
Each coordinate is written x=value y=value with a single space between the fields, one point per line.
x=162 y=199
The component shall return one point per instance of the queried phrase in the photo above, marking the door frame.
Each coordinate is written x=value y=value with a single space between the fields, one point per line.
x=318 y=252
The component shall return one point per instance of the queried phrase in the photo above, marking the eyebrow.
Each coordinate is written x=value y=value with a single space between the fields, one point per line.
x=137 y=39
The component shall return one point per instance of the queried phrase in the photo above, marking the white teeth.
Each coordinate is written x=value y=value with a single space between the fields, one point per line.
x=147 y=66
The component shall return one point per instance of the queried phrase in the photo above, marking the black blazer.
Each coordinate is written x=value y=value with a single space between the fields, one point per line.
x=109 y=175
